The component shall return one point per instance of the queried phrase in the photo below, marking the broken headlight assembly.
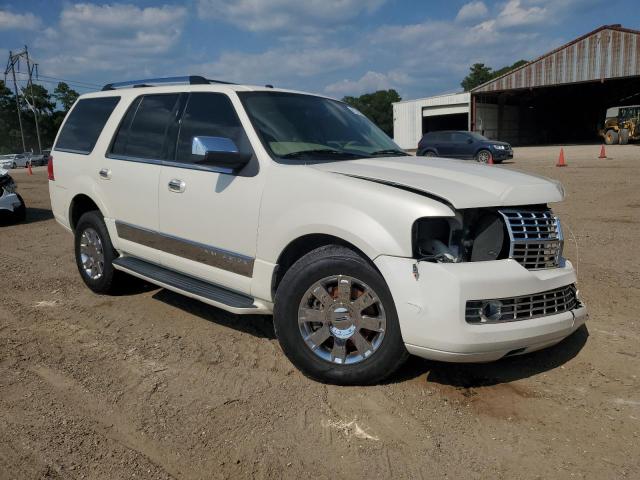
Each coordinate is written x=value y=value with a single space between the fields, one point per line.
x=472 y=235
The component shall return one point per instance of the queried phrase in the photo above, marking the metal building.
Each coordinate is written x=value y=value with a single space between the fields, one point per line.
x=559 y=97
x=412 y=118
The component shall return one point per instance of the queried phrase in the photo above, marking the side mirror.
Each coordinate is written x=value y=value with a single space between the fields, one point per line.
x=219 y=152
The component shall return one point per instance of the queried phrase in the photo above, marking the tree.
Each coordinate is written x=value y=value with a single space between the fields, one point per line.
x=65 y=95
x=479 y=74
x=377 y=107
x=49 y=118
x=504 y=70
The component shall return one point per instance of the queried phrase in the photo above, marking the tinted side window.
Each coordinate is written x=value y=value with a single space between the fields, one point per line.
x=211 y=115
x=459 y=137
x=432 y=137
x=85 y=123
x=143 y=133
x=119 y=146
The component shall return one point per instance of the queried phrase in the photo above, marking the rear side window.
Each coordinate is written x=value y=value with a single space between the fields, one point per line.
x=85 y=123
x=211 y=115
x=144 y=129
x=459 y=137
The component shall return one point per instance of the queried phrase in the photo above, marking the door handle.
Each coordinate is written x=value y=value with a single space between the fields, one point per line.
x=177 y=186
x=105 y=173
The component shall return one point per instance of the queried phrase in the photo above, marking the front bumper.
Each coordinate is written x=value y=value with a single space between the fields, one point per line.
x=502 y=154
x=431 y=308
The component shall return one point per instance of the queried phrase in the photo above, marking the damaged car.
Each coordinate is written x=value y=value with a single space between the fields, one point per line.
x=12 y=205
x=259 y=200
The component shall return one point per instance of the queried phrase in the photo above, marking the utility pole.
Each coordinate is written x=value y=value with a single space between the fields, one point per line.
x=11 y=65
x=30 y=69
x=14 y=60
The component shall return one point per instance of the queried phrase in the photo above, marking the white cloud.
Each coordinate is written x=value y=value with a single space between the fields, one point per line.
x=472 y=11
x=516 y=13
x=369 y=82
x=18 y=21
x=262 y=15
x=283 y=67
x=114 y=37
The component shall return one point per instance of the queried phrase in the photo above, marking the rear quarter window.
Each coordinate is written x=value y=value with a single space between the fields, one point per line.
x=85 y=123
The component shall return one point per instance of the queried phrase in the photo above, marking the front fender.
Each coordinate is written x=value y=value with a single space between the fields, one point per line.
x=375 y=218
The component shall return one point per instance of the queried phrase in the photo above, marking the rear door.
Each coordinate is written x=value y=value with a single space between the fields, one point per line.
x=130 y=172
x=209 y=217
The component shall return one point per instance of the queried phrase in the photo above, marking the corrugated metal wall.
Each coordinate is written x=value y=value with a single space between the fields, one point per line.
x=407 y=116
x=603 y=54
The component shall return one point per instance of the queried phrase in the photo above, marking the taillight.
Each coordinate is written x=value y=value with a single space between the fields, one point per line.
x=50 y=168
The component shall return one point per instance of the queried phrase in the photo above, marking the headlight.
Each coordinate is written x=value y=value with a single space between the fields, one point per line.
x=499 y=147
x=473 y=235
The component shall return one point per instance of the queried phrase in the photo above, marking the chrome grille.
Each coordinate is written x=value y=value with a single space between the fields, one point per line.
x=536 y=238
x=524 y=307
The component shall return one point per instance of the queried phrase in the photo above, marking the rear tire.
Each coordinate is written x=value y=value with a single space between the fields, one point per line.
x=624 y=136
x=95 y=254
x=322 y=327
x=611 y=137
x=429 y=153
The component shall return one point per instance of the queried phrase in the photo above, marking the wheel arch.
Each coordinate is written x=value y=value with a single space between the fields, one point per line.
x=80 y=204
x=299 y=247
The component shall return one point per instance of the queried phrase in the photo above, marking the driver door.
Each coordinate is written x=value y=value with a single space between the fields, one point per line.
x=208 y=216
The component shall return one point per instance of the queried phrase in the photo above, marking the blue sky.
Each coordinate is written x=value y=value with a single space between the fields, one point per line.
x=334 y=47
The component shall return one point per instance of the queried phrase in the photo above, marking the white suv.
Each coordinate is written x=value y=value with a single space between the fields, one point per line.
x=258 y=200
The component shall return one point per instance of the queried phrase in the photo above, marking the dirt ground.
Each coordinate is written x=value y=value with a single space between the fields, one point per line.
x=154 y=385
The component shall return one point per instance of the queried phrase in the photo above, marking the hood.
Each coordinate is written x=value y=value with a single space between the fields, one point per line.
x=462 y=184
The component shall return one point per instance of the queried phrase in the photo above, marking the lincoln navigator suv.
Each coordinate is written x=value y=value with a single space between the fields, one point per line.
x=259 y=200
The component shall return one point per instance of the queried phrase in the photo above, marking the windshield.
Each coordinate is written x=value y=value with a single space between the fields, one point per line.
x=305 y=127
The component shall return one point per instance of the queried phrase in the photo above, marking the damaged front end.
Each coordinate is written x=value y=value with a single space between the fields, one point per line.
x=530 y=234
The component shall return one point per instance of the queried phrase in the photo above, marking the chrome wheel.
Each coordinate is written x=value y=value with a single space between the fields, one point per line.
x=91 y=254
x=484 y=156
x=342 y=320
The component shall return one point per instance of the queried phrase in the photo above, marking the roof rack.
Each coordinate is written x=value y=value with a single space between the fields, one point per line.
x=150 y=82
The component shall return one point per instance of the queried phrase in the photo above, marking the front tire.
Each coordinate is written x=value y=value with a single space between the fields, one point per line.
x=483 y=156
x=335 y=319
x=95 y=253
x=611 y=137
x=20 y=213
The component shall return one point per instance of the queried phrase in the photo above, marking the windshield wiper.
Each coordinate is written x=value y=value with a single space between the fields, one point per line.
x=320 y=151
x=390 y=151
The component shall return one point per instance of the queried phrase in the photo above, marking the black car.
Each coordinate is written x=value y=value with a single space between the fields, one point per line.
x=464 y=146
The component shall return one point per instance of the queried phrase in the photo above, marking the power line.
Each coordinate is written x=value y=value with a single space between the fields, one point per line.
x=55 y=82
x=80 y=82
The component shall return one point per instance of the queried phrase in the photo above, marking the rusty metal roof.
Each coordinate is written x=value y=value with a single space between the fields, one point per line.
x=610 y=51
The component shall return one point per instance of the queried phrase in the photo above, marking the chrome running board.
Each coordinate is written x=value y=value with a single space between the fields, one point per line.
x=192 y=287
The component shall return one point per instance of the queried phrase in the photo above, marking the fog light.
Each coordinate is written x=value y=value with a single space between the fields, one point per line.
x=491 y=311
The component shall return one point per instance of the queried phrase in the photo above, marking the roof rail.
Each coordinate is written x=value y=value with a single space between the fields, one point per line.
x=150 y=82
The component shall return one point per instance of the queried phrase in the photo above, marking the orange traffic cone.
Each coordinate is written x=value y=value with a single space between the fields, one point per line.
x=603 y=154
x=29 y=168
x=490 y=162
x=561 y=162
